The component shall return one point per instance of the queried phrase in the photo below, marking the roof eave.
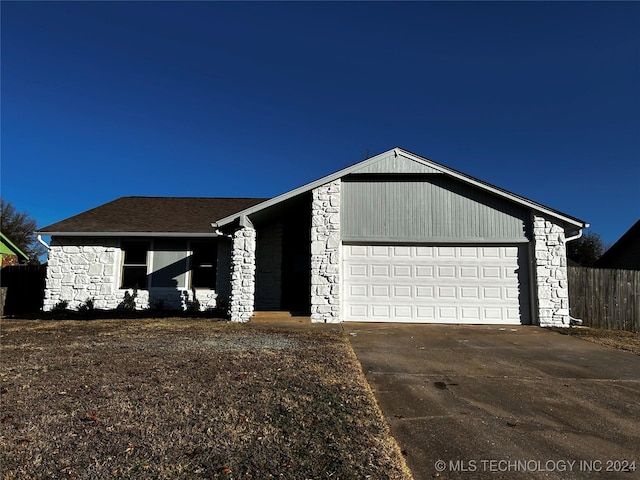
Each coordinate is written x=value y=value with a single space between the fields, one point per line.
x=297 y=191
x=130 y=234
x=399 y=151
x=13 y=246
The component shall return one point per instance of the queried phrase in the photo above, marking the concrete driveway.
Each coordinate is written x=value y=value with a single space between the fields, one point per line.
x=503 y=402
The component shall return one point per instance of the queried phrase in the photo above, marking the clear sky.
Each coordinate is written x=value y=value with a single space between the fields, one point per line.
x=102 y=100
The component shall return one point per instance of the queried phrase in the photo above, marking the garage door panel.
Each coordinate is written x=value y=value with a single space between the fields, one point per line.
x=424 y=291
x=358 y=270
x=491 y=273
x=401 y=251
x=490 y=252
x=446 y=252
x=424 y=271
x=356 y=290
x=403 y=312
x=403 y=271
x=422 y=252
x=448 y=313
x=380 y=270
x=470 y=292
x=380 y=291
x=447 y=292
x=468 y=272
x=380 y=312
x=380 y=252
x=402 y=291
x=492 y=293
x=425 y=313
x=444 y=284
x=447 y=271
x=470 y=314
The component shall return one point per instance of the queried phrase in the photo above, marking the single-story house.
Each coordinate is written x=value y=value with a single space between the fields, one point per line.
x=10 y=253
x=394 y=238
x=625 y=253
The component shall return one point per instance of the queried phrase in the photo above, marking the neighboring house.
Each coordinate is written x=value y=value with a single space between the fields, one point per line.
x=11 y=254
x=395 y=238
x=625 y=253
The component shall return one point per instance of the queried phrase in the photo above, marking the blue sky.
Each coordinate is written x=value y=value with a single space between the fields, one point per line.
x=101 y=100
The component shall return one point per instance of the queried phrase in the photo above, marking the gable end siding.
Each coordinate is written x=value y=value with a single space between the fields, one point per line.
x=427 y=208
x=392 y=163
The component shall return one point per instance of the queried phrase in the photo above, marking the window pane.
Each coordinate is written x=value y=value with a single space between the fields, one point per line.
x=203 y=277
x=203 y=264
x=134 y=270
x=169 y=264
x=134 y=277
x=135 y=253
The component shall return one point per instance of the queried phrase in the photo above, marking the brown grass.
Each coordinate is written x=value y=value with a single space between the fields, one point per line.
x=179 y=398
x=619 y=339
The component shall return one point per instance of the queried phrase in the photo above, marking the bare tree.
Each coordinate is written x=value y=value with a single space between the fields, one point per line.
x=586 y=250
x=19 y=227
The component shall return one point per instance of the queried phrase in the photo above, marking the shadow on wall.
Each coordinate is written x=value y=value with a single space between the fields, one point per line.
x=165 y=289
x=524 y=294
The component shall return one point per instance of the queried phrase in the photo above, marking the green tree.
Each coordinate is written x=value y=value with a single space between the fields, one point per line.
x=586 y=250
x=19 y=228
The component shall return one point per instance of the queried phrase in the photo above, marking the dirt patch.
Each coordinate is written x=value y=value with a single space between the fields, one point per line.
x=619 y=339
x=179 y=398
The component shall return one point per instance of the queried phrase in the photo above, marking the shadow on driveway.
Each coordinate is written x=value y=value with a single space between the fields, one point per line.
x=503 y=402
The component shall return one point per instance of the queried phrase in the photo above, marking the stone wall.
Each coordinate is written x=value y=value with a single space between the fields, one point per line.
x=243 y=271
x=325 y=253
x=79 y=269
x=82 y=268
x=269 y=268
x=551 y=273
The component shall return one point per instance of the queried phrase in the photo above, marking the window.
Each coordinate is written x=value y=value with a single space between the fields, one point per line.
x=169 y=265
x=134 y=267
x=203 y=264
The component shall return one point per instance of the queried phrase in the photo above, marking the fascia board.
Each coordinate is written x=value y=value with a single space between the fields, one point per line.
x=411 y=156
x=13 y=246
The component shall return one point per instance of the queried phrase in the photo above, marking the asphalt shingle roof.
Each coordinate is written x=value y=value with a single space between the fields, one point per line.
x=153 y=214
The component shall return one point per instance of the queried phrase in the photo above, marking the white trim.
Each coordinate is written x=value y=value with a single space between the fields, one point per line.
x=424 y=161
x=431 y=241
x=150 y=258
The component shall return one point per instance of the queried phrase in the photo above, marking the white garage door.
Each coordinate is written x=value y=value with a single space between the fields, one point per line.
x=436 y=284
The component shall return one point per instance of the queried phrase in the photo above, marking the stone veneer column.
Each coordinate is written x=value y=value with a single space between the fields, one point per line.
x=325 y=253
x=243 y=271
x=551 y=273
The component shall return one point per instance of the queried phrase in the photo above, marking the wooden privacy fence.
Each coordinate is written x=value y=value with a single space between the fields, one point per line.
x=605 y=298
x=24 y=288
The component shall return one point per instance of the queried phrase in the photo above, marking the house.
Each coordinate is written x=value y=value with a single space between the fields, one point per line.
x=10 y=253
x=625 y=253
x=394 y=238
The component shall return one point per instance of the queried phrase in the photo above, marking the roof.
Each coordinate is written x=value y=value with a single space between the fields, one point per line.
x=7 y=247
x=625 y=253
x=369 y=165
x=190 y=216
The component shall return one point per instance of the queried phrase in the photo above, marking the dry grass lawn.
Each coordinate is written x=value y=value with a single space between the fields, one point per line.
x=619 y=339
x=186 y=398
